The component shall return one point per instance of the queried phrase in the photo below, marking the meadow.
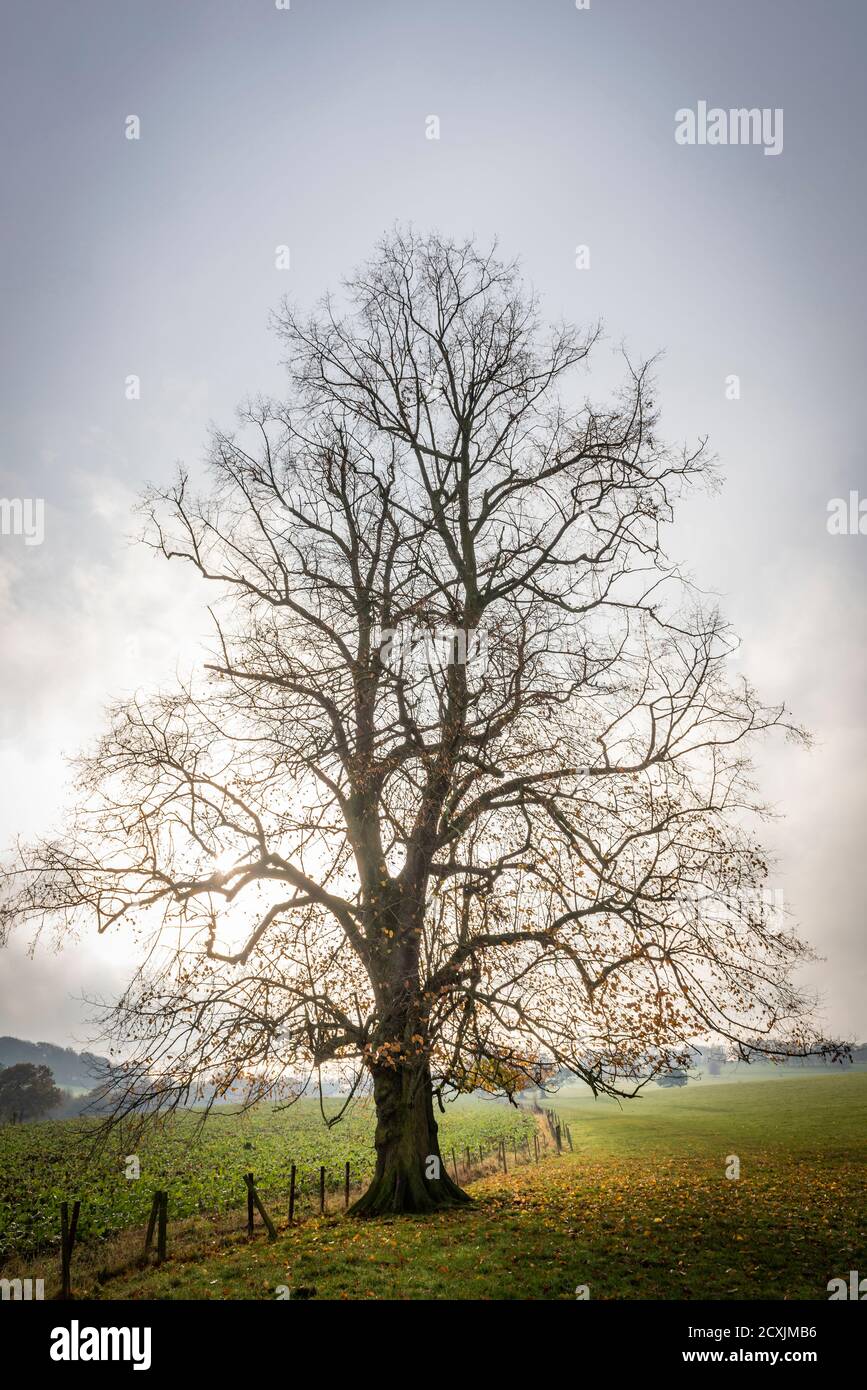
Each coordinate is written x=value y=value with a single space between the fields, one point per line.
x=640 y=1209
x=200 y=1162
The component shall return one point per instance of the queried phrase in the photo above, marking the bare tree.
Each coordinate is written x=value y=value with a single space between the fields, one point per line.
x=460 y=796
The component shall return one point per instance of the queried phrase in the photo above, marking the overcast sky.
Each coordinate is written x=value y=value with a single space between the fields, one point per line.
x=306 y=127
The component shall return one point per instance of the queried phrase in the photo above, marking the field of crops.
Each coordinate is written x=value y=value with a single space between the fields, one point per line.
x=642 y=1208
x=201 y=1166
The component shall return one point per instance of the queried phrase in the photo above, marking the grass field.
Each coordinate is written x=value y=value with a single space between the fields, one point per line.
x=201 y=1166
x=641 y=1209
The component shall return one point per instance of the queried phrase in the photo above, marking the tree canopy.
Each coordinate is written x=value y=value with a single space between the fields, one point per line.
x=27 y=1092
x=464 y=794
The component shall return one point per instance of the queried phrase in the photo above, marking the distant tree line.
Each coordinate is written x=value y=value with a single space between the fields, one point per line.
x=70 y=1069
x=27 y=1092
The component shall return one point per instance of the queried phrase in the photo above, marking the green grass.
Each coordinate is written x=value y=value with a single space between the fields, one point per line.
x=641 y=1209
x=201 y=1167
x=817 y=1115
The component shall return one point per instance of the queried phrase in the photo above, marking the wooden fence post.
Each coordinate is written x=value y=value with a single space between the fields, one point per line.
x=321 y=1191
x=346 y=1187
x=67 y=1240
x=64 y=1249
x=569 y=1137
x=162 y=1222
x=152 y=1221
x=536 y=1145
x=253 y=1199
x=455 y=1165
x=292 y=1195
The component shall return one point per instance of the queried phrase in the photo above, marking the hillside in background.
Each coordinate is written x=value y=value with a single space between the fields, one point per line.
x=71 y=1070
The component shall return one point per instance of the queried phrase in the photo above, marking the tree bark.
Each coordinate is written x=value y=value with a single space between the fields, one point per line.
x=410 y=1174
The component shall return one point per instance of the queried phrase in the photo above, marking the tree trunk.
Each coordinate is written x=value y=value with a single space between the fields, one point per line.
x=410 y=1175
